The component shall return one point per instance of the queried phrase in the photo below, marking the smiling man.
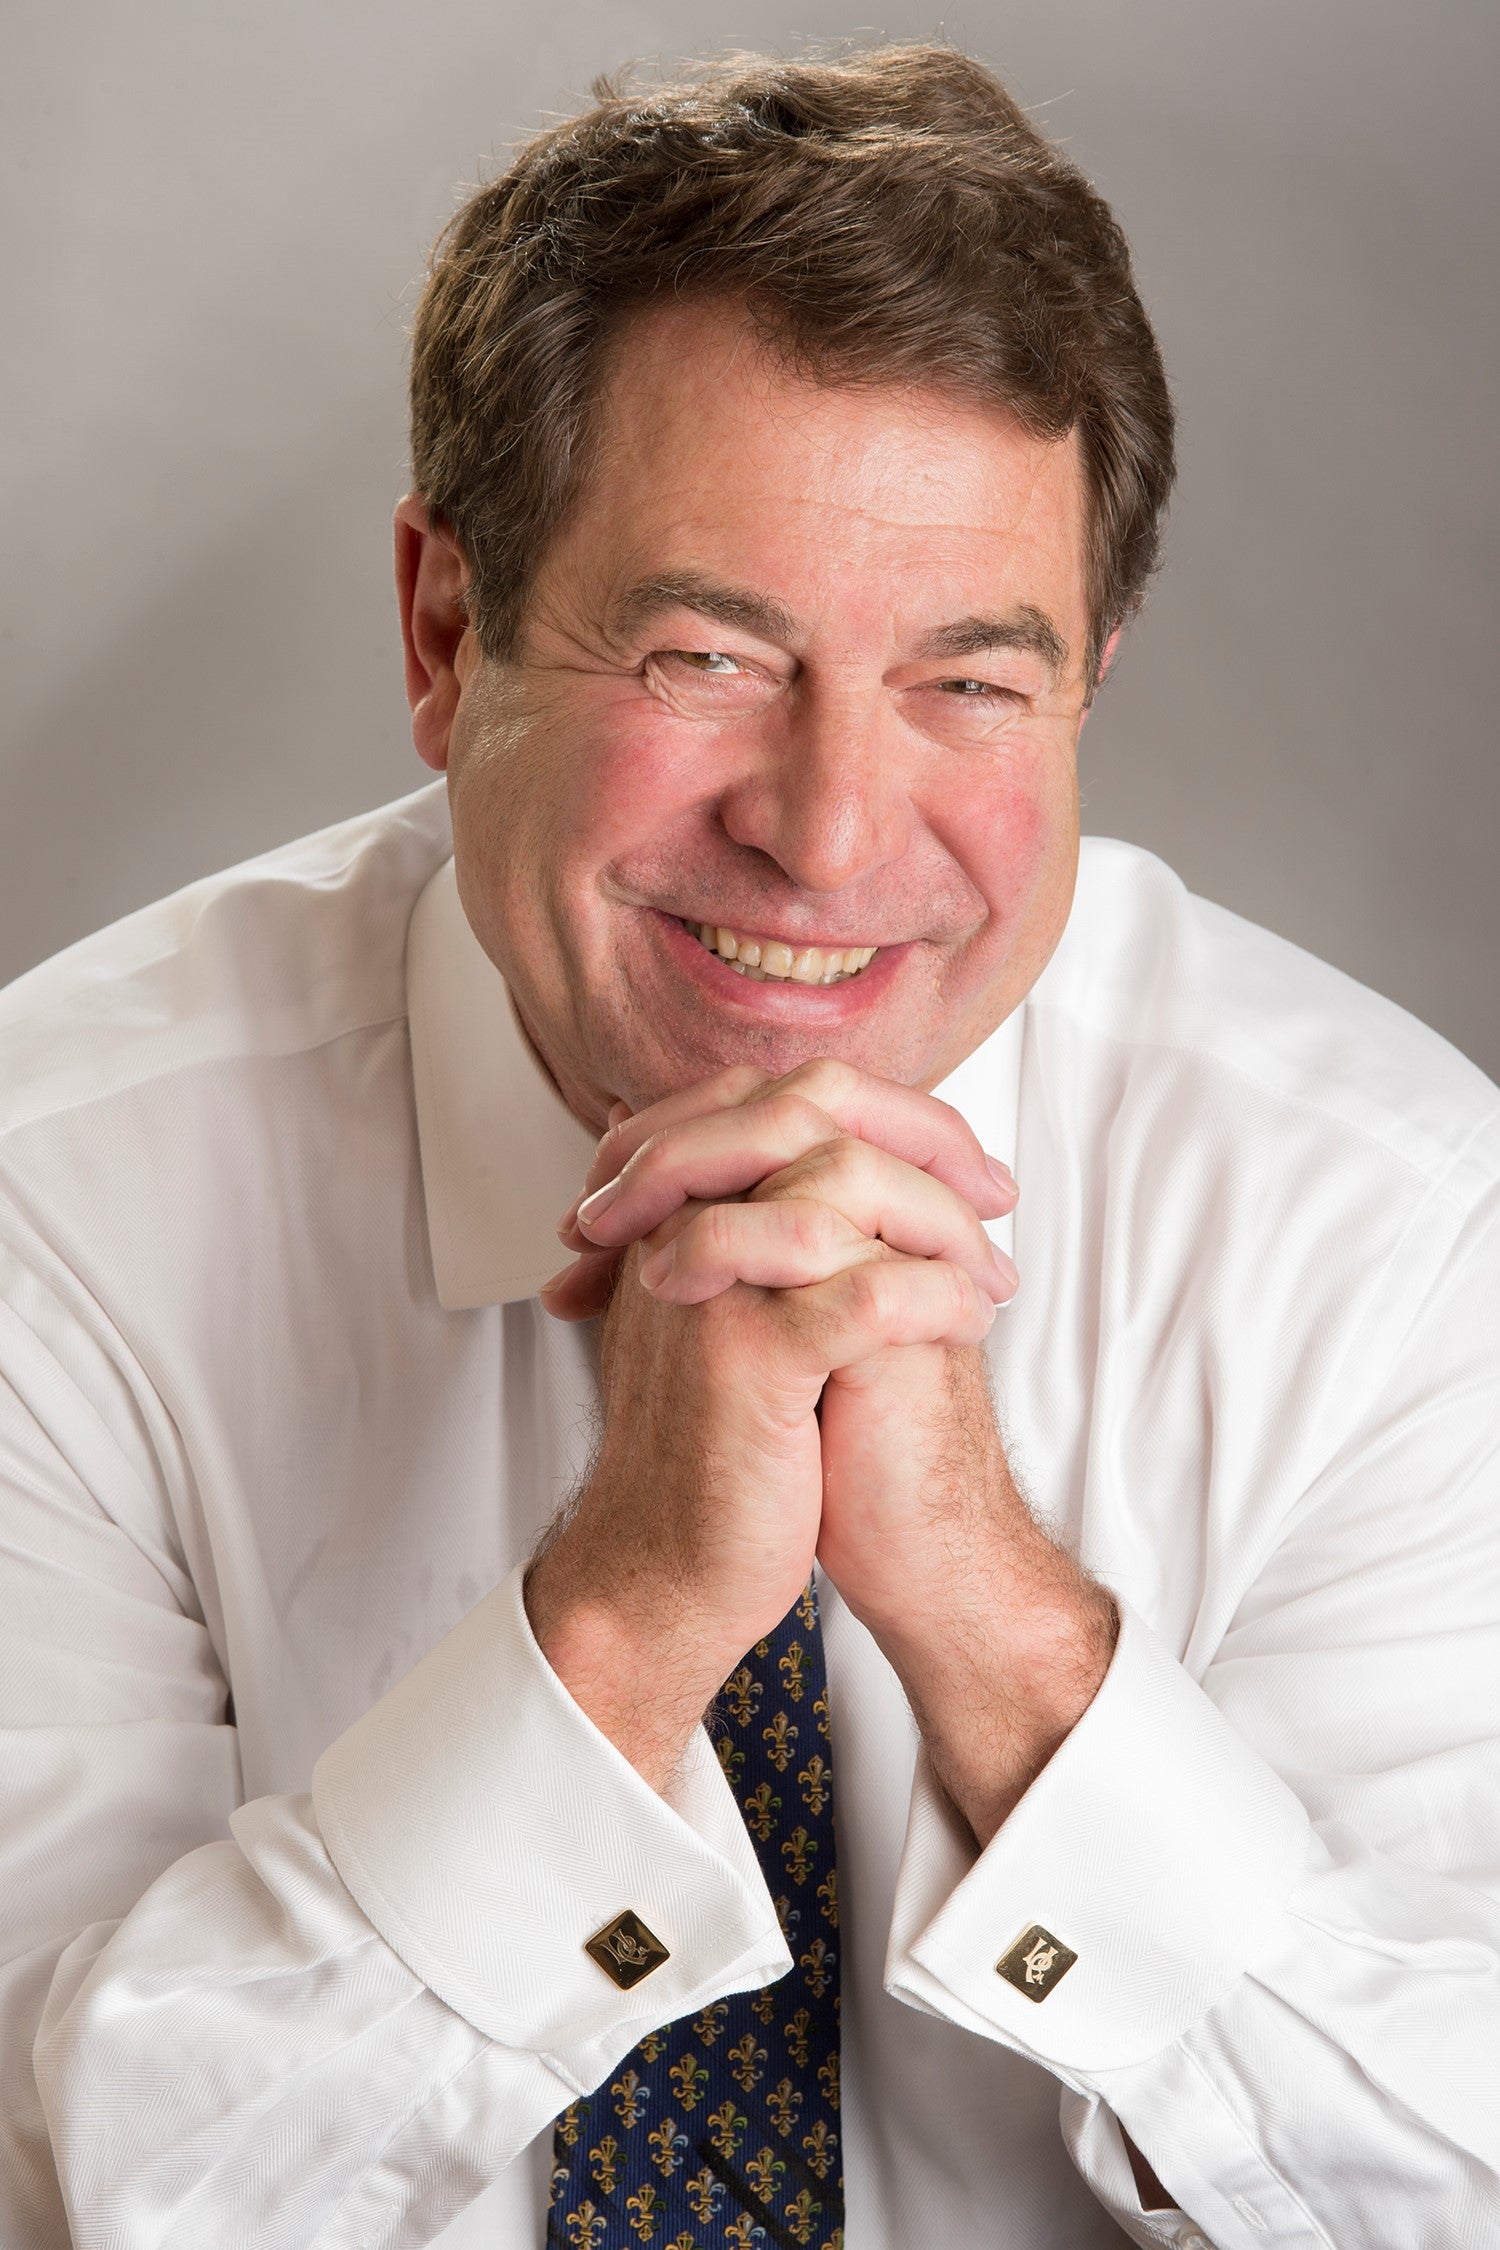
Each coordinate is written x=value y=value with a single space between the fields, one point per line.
x=635 y=1750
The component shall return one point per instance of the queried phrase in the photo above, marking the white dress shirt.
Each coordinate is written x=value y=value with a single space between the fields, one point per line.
x=300 y=1837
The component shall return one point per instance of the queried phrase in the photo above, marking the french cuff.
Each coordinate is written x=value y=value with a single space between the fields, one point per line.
x=1126 y=1893
x=489 y=1831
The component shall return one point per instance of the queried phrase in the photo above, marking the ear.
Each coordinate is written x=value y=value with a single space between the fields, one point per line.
x=1105 y=662
x=441 y=651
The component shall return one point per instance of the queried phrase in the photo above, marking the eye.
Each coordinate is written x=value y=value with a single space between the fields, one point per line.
x=710 y=660
x=978 y=690
x=708 y=683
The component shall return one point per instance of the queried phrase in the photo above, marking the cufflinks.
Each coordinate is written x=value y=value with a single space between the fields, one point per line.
x=626 y=1950
x=1037 y=1963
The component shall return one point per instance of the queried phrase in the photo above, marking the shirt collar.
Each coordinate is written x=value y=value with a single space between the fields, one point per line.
x=502 y=1155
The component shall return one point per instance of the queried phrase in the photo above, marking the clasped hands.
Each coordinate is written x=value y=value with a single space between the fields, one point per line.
x=796 y=1287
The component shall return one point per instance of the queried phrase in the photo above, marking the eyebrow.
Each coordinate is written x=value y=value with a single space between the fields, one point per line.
x=1026 y=627
x=709 y=597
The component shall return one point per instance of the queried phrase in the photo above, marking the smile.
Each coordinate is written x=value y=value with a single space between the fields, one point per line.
x=762 y=958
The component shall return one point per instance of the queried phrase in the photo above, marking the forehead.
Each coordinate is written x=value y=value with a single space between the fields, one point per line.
x=708 y=446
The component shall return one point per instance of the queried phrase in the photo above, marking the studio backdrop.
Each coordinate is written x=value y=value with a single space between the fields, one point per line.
x=214 y=227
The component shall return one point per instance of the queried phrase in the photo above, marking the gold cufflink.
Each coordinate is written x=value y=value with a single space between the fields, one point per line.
x=626 y=1950
x=1037 y=1963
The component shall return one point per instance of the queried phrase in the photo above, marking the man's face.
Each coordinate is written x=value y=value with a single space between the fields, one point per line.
x=804 y=665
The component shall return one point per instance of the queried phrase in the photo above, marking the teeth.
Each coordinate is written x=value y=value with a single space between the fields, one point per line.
x=808 y=964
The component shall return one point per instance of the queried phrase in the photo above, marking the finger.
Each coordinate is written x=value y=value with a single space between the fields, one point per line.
x=782 y=1245
x=582 y=1287
x=877 y=1305
x=897 y=1204
x=627 y=1132
x=732 y=1151
x=786 y=1240
x=917 y=1127
x=705 y=1158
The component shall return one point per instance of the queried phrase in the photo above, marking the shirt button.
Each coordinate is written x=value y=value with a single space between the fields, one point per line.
x=1193 y=2242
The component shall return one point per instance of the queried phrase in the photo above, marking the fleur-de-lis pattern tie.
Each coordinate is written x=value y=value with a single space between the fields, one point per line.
x=722 y=2129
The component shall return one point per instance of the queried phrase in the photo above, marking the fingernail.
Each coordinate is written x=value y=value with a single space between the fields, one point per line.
x=561 y=1275
x=1008 y=1273
x=1001 y=1174
x=569 y=1219
x=593 y=1206
x=654 y=1270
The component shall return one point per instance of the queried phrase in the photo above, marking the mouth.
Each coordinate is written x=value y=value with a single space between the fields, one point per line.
x=779 y=960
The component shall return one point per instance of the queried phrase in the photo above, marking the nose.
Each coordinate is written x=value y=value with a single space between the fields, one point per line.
x=828 y=797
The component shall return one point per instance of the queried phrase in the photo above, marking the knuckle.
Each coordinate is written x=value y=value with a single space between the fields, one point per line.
x=812 y=1225
x=826 y=1074
x=847 y=1161
x=823 y=1168
x=963 y=1289
x=740 y=1081
x=824 y=1079
x=714 y=1231
x=650 y=1160
x=962 y=1132
x=796 y=1119
x=871 y=1295
x=971 y=1308
x=609 y=1157
x=615 y=1136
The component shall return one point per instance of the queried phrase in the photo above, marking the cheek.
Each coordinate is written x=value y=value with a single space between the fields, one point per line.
x=567 y=790
x=595 y=801
x=646 y=778
x=1015 y=832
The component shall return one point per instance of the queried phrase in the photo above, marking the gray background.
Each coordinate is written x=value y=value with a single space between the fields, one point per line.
x=213 y=221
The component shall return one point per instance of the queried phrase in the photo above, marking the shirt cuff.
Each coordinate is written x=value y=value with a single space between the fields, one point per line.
x=1156 y=1845
x=488 y=1829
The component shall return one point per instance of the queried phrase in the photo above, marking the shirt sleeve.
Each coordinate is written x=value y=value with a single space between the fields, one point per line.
x=1281 y=1880
x=222 y=2021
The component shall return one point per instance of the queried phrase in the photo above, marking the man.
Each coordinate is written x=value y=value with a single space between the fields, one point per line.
x=789 y=450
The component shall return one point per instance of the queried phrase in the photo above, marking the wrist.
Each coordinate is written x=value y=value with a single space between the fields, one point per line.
x=637 y=1683
x=994 y=1703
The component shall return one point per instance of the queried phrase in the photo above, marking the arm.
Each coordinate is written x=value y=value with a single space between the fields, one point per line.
x=777 y=1253
x=1279 y=1882
x=1294 y=1999
x=257 y=2021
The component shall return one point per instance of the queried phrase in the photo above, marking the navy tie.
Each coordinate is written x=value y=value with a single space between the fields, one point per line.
x=723 y=2128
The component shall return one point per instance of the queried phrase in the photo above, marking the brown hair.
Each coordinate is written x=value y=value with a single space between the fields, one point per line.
x=890 y=216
